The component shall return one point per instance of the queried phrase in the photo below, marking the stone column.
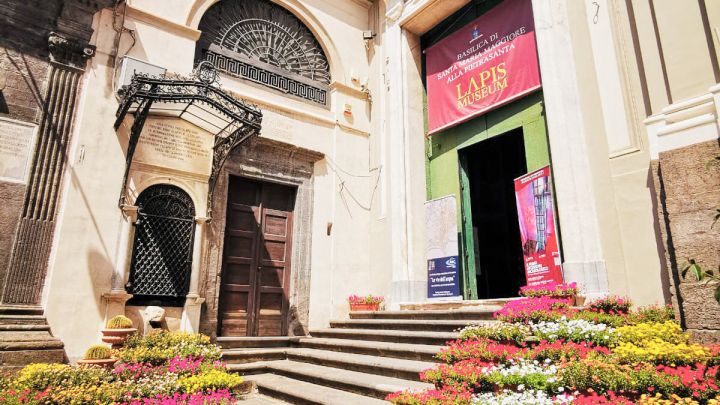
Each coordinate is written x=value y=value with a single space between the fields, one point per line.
x=583 y=260
x=403 y=124
x=193 y=302
x=117 y=297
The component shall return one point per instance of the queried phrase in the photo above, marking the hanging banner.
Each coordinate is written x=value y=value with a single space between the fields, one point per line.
x=536 y=214
x=489 y=62
x=443 y=261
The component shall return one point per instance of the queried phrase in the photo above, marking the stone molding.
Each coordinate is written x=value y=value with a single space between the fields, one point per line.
x=685 y=123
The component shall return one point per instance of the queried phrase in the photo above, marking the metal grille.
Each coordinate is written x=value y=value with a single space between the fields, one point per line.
x=162 y=253
x=261 y=41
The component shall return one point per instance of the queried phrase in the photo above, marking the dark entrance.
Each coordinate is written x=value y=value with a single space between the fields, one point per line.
x=256 y=259
x=490 y=168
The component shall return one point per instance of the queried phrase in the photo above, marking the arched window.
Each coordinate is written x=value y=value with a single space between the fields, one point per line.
x=258 y=40
x=162 y=250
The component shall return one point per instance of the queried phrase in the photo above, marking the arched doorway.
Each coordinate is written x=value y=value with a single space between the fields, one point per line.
x=163 y=247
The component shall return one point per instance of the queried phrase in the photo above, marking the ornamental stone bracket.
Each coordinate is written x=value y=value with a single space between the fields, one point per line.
x=115 y=301
x=68 y=51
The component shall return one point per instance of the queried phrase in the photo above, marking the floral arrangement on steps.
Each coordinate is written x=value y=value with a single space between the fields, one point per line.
x=98 y=355
x=162 y=369
x=365 y=302
x=116 y=331
x=545 y=352
x=568 y=291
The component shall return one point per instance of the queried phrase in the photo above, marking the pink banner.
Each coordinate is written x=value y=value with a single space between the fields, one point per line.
x=536 y=214
x=487 y=63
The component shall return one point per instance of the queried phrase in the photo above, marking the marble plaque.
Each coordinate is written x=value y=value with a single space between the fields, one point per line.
x=17 y=140
x=175 y=144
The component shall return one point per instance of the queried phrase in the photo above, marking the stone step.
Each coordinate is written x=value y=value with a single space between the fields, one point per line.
x=13 y=360
x=301 y=392
x=257 y=399
x=395 y=336
x=390 y=367
x=372 y=348
x=359 y=383
x=22 y=328
x=404 y=324
x=249 y=355
x=386 y=366
x=14 y=320
x=478 y=314
x=454 y=305
x=229 y=342
x=21 y=310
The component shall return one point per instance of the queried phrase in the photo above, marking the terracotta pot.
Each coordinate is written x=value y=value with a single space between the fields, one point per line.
x=116 y=337
x=364 y=307
x=104 y=363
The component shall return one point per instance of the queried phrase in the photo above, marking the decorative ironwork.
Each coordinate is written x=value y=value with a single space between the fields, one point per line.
x=260 y=41
x=288 y=83
x=206 y=73
x=240 y=120
x=162 y=251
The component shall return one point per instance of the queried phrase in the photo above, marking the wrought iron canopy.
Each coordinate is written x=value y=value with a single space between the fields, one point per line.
x=198 y=100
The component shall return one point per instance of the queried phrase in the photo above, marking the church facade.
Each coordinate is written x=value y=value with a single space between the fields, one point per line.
x=248 y=165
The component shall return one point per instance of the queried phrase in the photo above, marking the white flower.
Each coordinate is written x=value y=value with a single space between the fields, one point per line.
x=529 y=397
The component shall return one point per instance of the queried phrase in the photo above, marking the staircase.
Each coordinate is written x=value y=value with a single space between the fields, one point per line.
x=25 y=338
x=355 y=361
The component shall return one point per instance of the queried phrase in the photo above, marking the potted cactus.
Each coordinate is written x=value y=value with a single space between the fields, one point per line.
x=118 y=328
x=98 y=355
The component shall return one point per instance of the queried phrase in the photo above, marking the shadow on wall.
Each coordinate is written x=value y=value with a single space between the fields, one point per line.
x=100 y=270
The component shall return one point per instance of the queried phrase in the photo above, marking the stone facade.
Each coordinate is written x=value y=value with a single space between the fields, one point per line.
x=358 y=162
x=44 y=48
x=688 y=184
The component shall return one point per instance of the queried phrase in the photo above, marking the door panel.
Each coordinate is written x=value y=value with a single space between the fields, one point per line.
x=256 y=260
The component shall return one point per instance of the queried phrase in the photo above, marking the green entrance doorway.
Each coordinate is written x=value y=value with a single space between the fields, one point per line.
x=489 y=168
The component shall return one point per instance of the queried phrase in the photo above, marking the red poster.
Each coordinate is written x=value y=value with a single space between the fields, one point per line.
x=487 y=63
x=533 y=194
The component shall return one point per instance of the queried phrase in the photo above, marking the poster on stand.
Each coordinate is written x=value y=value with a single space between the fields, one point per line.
x=483 y=65
x=536 y=215
x=443 y=260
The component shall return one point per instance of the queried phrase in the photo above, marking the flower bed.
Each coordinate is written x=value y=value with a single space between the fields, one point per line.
x=161 y=369
x=544 y=352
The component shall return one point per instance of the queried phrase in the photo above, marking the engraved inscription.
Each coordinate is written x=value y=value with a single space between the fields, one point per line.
x=16 y=142
x=175 y=144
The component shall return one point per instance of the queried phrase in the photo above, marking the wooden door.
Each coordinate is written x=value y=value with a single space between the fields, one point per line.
x=256 y=259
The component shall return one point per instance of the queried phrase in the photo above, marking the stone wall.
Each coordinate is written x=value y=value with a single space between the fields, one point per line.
x=43 y=48
x=687 y=181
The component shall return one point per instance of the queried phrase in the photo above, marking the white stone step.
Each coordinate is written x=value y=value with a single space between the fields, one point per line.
x=352 y=381
x=379 y=335
x=373 y=348
x=301 y=392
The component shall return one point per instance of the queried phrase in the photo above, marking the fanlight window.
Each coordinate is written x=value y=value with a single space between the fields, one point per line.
x=162 y=250
x=260 y=41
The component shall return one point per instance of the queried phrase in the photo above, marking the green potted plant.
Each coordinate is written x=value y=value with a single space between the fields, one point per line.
x=365 y=303
x=117 y=329
x=98 y=355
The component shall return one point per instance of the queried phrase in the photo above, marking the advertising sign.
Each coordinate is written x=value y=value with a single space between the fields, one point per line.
x=441 y=245
x=536 y=214
x=444 y=277
x=489 y=62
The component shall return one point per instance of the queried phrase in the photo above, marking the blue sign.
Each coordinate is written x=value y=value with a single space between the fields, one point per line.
x=444 y=277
